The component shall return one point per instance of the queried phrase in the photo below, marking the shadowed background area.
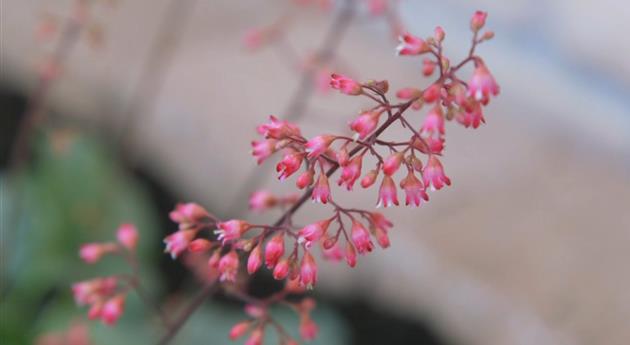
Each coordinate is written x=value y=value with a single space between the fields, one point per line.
x=529 y=245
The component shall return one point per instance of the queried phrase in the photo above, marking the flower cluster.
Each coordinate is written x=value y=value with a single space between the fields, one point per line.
x=106 y=295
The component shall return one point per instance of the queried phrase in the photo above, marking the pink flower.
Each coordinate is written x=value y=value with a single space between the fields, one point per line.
x=482 y=84
x=290 y=163
x=432 y=93
x=478 y=20
x=308 y=270
x=239 y=329
x=127 y=235
x=381 y=238
x=361 y=238
x=256 y=338
x=281 y=270
x=414 y=190
x=428 y=66
x=387 y=195
x=231 y=230
x=342 y=156
x=351 y=255
x=428 y=145
x=433 y=122
x=278 y=129
x=112 y=310
x=188 y=214
x=365 y=123
x=379 y=221
x=262 y=200
x=263 y=149
x=92 y=252
x=411 y=45
x=90 y=291
x=318 y=145
x=473 y=118
x=369 y=178
x=313 y=232
x=200 y=245
x=345 y=84
x=333 y=253
x=408 y=93
x=274 y=250
x=177 y=242
x=308 y=328
x=305 y=179
x=433 y=174
x=321 y=191
x=255 y=259
x=351 y=172
x=228 y=267
x=439 y=34
x=392 y=163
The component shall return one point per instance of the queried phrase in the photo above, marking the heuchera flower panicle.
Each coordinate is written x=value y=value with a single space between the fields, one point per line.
x=288 y=251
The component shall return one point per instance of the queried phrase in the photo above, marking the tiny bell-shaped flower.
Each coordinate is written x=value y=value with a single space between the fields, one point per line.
x=255 y=259
x=318 y=145
x=365 y=123
x=231 y=230
x=262 y=149
x=392 y=163
x=379 y=221
x=351 y=255
x=387 y=195
x=414 y=190
x=471 y=118
x=256 y=338
x=308 y=270
x=262 y=200
x=274 y=250
x=278 y=129
x=305 y=179
x=92 y=252
x=321 y=191
x=482 y=84
x=308 y=328
x=361 y=238
x=313 y=232
x=428 y=66
x=188 y=214
x=112 y=310
x=433 y=174
x=289 y=164
x=351 y=172
x=345 y=85
x=439 y=34
x=369 y=179
x=432 y=93
x=411 y=45
x=433 y=122
x=228 y=267
x=381 y=237
x=478 y=20
x=127 y=236
x=200 y=245
x=281 y=270
x=239 y=329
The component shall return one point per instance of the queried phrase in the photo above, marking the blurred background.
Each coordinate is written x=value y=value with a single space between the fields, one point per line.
x=158 y=102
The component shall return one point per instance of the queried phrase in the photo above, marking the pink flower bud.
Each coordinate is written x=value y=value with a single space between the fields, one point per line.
x=92 y=252
x=321 y=191
x=428 y=66
x=231 y=230
x=473 y=118
x=274 y=250
x=228 y=267
x=414 y=190
x=239 y=329
x=342 y=156
x=361 y=238
x=213 y=261
x=278 y=129
x=127 y=235
x=392 y=163
x=187 y=214
x=262 y=200
x=256 y=338
x=379 y=221
x=369 y=178
x=96 y=310
x=200 y=245
x=345 y=85
x=255 y=259
x=351 y=172
x=408 y=93
x=112 y=310
x=439 y=34
x=318 y=145
x=411 y=45
x=308 y=270
x=433 y=174
x=255 y=311
x=478 y=20
x=433 y=122
x=482 y=84
x=290 y=163
x=262 y=149
x=305 y=179
x=381 y=237
x=387 y=195
x=313 y=232
x=365 y=123
x=308 y=328
x=281 y=270
x=432 y=93
x=332 y=252
x=351 y=255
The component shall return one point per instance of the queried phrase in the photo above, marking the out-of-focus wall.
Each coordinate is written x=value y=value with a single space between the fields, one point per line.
x=529 y=245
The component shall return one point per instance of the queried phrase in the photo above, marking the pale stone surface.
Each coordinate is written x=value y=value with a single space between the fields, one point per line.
x=529 y=245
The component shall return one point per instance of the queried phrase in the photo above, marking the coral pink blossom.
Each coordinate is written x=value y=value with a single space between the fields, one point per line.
x=472 y=118
x=256 y=338
x=255 y=259
x=408 y=93
x=188 y=214
x=308 y=270
x=381 y=237
x=305 y=179
x=262 y=200
x=313 y=232
x=433 y=174
x=439 y=34
x=308 y=328
x=365 y=123
x=318 y=145
x=213 y=261
x=177 y=242
x=274 y=250
x=127 y=235
x=96 y=310
x=351 y=172
x=333 y=253
x=369 y=178
x=199 y=245
x=387 y=195
x=345 y=84
x=351 y=255
x=92 y=252
x=433 y=122
x=321 y=191
x=361 y=238
x=432 y=93
x=90 y=291
x=414 y=190
x=411 y=45
x=281 y=270
x=428 y=66
x=278 y=129
x=290 y=163
x=379 y=221
x=482 y=84
x=112 y=310
x=430 y=144
x=392 y=163
x=262 y=149
x=478 y=20
x=231 y=230
x=239 y=329
x=228 y=267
